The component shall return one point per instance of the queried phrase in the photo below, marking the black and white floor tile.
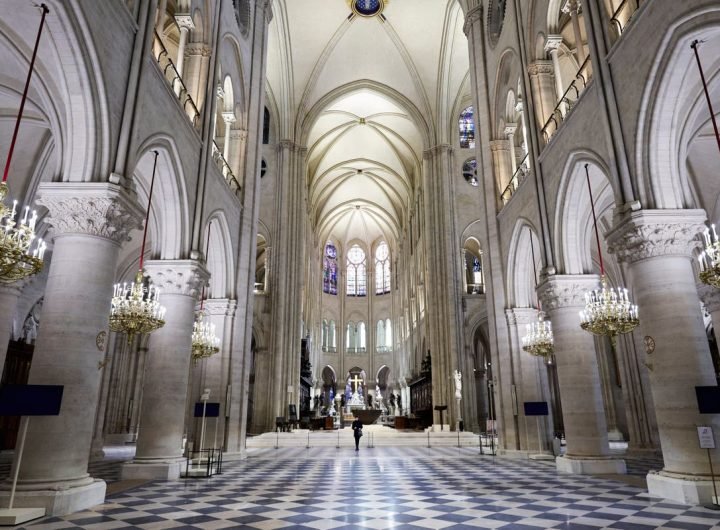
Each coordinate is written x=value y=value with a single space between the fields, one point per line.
x=378 y=488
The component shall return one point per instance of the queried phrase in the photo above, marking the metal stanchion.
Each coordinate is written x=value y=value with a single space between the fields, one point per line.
x=308 y=442
x=428 y=439
x=277 y=438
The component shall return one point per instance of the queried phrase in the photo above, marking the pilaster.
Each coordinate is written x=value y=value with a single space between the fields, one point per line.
x=542 y=83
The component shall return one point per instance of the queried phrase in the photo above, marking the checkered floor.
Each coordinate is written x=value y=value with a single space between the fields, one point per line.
x=386 y=488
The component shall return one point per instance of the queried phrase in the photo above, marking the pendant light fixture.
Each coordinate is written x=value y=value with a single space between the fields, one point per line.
x=136 y=309
x=608 y=310
x=538 y=339
x=204 y=341
x=18 y=258
x=710 y=257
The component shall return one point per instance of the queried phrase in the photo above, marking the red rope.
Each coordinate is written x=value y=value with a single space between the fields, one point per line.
x=147 y=213
x=45 y=11
x=597 y=234
x=694 y=46
x=207 y=249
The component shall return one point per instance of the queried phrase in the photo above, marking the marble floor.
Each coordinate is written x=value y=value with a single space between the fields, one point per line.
x=389 y=487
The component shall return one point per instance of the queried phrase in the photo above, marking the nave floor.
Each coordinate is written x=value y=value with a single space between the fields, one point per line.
x=386 y=488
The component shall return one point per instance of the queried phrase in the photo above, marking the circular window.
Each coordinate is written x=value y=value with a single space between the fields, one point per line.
x=496 y=17
x=367 y=8
x=469 y=171
x=263 y=168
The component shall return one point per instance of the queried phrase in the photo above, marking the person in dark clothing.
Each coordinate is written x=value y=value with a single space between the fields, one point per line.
x=357 y=432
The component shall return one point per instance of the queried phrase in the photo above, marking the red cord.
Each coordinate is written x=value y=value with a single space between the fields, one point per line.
x=694 y=46
x=597 y=234
x=147 y=214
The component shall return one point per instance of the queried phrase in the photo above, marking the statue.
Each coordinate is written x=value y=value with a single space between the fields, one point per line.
x=458 y=384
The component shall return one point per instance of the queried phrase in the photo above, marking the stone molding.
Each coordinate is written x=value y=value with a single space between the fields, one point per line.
x=472 y=17
x=562 y=291
x=510 y=129
x=437 y=150
x=197 y=48
x=644 y=234
x=541 y=68
x=92 y=208
x=177 y=277
x=499 y=145
x=184 y=21
x=229 y=117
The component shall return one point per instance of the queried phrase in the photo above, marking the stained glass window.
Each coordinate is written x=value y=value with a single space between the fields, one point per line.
x=330 y=269
x=469 y=170
x=467 y=129
x=382 y=269
x=356 y=272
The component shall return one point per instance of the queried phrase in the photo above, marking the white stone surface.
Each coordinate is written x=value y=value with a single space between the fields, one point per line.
x=590 y=466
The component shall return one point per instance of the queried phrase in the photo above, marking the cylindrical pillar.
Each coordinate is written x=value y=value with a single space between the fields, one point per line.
x=162 y=412
x=542 y=82
x=75 y=312
x=657 y=245
x=577 y=369
x=572 y=7
x=552 y=45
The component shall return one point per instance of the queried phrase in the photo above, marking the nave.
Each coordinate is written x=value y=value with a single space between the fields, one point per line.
x=389 y=487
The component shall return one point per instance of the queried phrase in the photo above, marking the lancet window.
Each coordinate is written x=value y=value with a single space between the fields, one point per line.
x=467 y=128
x=356 y=272
x=382 y=269
x=355 y=337
x=330 y=269
x=384 y=336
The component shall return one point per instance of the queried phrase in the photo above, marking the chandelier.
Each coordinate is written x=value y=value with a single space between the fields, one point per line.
x=204 y=341
x=18 y=258
x=135 y=308
x=710 y=257
x=538 y=339
x=608 y=310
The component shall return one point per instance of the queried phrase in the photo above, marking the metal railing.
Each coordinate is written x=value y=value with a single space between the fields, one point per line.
x=568 y=99
x=203 y=463
x=383 y=349
x=622 y=16
x=173 y=78
x=355 y=350
x=329 y=349
x=518 y=178
x=224 y=168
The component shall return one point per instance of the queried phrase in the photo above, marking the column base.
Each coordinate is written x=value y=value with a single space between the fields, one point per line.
x=596 y=465
x=615 y=436
x=60 y=501
x=16 y=516
x=685 y=489
x=152 y=469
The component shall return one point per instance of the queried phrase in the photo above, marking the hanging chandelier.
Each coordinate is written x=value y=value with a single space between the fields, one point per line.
x=538 y=339
x=135 y=308
x=19 y=258
x=204 y=341
x=710 y=257
x=608 y=310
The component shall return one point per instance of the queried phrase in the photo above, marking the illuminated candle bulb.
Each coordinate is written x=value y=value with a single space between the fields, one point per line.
x=12 y=215
x=714 y=232
x=25 y=217
x=33 y=220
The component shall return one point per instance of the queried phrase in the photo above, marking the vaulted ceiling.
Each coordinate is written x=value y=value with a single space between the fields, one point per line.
x=366 y=96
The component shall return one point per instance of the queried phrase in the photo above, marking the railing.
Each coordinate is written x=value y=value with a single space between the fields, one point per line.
x=355 y=350
x=568 y=99
x=383 y=349
x=173 y=78
x=623 y=15
x=518 y=178
x=329 y=349
x=224 y=168
x=203 y=463
x=476 y=288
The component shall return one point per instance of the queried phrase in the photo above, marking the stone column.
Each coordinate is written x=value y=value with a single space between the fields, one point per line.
x=577 y=369
x=533 y=431
x=657 y=245
x=542 y=82
x=9 y=295
x=162 y=412
x=510 y=129
x=552 y=44
x=197 y=55
x=520 y=109
x=501 y=165
x=572 y=7
x=185 y=23
x=89 y=220
x=229 y=119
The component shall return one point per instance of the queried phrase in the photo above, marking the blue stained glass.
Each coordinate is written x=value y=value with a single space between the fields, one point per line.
x=330 y=270
x=367 y=7
x=467 y=129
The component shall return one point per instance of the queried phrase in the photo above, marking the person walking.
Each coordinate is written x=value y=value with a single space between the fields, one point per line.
x=357 y=432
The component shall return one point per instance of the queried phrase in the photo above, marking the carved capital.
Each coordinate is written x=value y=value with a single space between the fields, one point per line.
x=229 y=117
x=499 y=145
x=474 y=16
x=644 y=234
x=239 y=134
x=571 y=7
x=541 y=68
x=566 y=291
x=523 y=315
x=220 y=307
x=93 y=208
x=437 y=150
x=553 y=42
x=179 y=277
x=197 y=48
x=184 y=21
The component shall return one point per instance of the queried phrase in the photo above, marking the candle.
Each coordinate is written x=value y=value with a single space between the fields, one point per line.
x=27 y=211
